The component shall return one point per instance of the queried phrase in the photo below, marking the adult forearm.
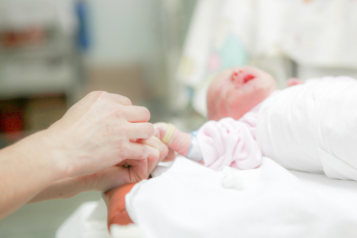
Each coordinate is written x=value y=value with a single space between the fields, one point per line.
x=64 y=189
x=26 y=168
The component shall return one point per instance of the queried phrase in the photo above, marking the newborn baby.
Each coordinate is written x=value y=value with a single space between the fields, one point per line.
x=234 y=96
x=310 y=127
x=228 y=142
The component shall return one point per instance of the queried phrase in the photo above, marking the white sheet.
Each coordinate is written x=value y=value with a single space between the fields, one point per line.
x=296 y=200
x=90 y=221
x=343 y=194
x=190 y=200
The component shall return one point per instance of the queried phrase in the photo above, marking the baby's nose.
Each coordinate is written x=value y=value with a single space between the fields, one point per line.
x=235 y=78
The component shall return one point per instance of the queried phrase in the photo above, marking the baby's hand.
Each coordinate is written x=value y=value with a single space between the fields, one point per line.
x=160 y=129
x=179 y=141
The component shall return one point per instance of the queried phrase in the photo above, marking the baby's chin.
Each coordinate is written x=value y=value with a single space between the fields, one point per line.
x=215 y=116
x=212 y=115
x=218 y=109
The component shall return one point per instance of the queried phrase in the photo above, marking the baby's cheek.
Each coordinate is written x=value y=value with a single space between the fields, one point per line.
x=238 y=105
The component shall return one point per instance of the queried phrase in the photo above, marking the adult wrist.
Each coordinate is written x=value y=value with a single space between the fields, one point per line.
x=50 y=150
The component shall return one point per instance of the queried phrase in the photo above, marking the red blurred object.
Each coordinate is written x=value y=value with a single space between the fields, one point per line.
x=12 y=122
x=11 y=117
x=29 y=36
x=248 y=77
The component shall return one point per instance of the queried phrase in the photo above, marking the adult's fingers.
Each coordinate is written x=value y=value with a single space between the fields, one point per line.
x=120 y=99
x=153 y=159
x=140 y=130
x=106 y=179
x=136 y=114
x=158 y=144
x=144 y=167
x=136 y=151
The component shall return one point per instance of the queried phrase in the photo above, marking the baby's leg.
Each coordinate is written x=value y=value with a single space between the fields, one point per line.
x=115 y=199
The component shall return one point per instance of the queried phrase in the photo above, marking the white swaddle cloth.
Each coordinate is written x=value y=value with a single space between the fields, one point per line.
x=193 y=201
x=313 y=127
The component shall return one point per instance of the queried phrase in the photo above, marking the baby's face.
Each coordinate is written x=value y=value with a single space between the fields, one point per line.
x=236 y=91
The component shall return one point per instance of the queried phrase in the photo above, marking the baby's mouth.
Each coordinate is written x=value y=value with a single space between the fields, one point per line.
x=248 y=78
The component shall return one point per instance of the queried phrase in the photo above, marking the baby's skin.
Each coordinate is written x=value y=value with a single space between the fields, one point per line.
x=231 y=94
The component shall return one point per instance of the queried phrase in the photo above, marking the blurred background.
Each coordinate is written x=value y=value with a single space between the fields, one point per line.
x=162 y=54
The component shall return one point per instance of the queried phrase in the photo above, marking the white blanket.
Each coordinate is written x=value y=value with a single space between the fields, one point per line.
x=190 y=200
x=313 y=127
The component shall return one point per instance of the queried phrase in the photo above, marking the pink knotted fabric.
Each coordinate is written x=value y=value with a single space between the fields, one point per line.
x=229 y=143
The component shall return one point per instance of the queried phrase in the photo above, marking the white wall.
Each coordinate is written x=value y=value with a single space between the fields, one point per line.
x=124 y=31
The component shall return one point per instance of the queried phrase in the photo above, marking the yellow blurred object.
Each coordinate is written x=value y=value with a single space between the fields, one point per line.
x=169 y=133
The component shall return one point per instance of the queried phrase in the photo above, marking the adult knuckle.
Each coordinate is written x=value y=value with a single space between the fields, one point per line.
x=118 y=112
x=123 y=148
x=96 y=94
x=124 y=129
x=144 y=152
x=126 y=100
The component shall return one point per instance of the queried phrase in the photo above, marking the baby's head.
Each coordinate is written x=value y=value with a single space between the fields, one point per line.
x=236 y=91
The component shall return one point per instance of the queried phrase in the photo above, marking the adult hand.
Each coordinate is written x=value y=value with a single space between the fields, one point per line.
x=136 y=170
x=98 y=132
x=95 y=134
x=108 y=178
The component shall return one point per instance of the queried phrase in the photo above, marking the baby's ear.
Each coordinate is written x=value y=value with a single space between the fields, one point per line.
x=294 y=81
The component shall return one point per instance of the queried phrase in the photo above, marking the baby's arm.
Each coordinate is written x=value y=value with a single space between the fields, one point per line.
x=181 y=142
x=223 y=143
